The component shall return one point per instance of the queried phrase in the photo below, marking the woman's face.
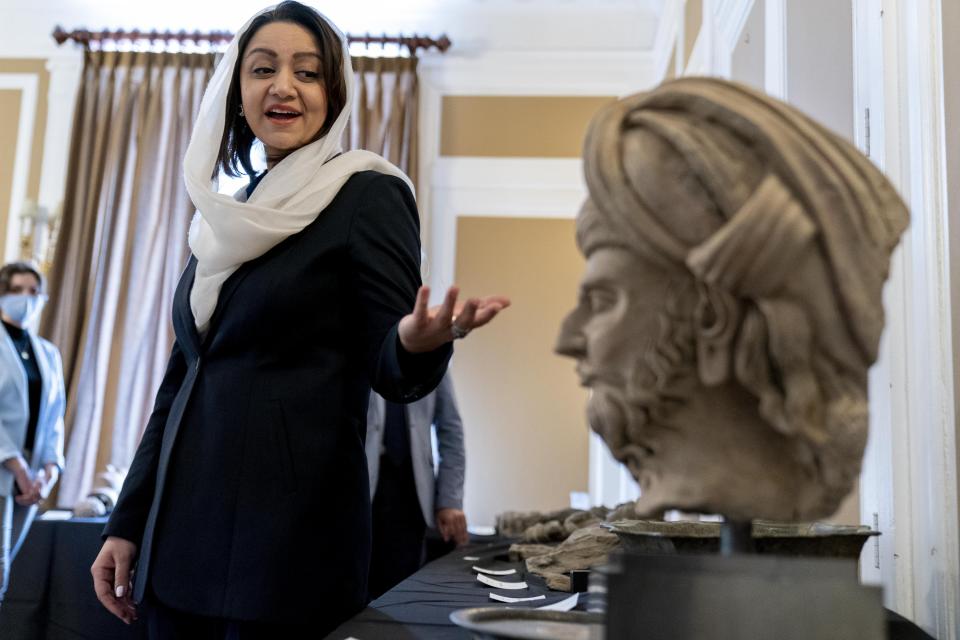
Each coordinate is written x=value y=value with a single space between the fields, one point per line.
x=282 y=89
x=24 y=284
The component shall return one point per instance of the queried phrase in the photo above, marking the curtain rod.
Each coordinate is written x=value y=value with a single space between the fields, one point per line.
x=85 y=37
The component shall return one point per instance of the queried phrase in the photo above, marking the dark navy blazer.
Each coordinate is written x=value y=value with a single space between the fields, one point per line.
x=248 y=496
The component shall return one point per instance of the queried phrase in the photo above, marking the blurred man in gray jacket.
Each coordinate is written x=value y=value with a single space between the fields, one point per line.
x=408 y=494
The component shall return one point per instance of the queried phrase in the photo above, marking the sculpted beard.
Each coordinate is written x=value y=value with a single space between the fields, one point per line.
x=630 y=418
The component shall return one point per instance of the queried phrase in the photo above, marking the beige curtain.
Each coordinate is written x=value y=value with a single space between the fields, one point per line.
x=122 y=241
x=385 y=114
x=120 y=250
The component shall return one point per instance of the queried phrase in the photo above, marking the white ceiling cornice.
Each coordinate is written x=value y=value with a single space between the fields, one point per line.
x=472 y=25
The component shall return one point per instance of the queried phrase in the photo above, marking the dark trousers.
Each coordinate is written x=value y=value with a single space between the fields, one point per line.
x=398 y=528
x=164 y=623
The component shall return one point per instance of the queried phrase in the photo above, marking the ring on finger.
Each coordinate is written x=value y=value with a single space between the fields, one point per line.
x=458 y=332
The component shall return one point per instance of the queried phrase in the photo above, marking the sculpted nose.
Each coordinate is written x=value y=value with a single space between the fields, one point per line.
x=571 y=341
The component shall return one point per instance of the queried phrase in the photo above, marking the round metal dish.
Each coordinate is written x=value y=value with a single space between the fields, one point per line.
x=789 y=539
x=494 y=623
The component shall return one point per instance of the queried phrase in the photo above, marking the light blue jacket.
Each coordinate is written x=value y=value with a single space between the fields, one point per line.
x=15 y=411
x=443 y=489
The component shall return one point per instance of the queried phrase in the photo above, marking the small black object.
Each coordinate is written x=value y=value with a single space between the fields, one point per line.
x=396 y=439
x=578 y=580
x=736 y=536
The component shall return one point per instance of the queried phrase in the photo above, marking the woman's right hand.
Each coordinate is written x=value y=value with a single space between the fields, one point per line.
x=111 y=577
x=25 y=482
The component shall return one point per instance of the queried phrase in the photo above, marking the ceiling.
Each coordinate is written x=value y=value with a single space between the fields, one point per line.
x=474 y=26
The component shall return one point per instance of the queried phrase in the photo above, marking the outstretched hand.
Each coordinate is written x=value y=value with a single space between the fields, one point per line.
x=427 y=329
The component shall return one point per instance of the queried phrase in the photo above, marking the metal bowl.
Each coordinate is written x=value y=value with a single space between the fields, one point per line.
x=490 y=623
x=816 y=539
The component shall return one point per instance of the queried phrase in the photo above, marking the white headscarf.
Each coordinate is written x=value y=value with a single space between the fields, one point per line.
x=225 y=232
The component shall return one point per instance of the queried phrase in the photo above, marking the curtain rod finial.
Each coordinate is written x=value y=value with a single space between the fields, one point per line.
x=59 y=35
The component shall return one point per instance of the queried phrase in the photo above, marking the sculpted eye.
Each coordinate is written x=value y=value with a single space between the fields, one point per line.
x=601 y=300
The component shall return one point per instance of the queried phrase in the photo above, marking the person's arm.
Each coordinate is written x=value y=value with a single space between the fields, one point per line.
x=10 y=454
x=384 y=249
x=20 y=469
x=52 y=455
x=124 y=531
x=34 y=488
x=453 y=460
x=448 y=498
x=130 y=513
x=13 y=461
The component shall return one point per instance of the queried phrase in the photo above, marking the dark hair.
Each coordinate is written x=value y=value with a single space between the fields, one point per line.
x=237 y=137
x=16 y=268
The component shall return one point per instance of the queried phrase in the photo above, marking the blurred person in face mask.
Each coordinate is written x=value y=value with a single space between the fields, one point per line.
x=32 y=404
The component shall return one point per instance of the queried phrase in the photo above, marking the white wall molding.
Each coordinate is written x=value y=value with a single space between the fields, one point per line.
x=517 y=188
x=775 y=48
x=457 y=187
x=528 y=174
x=539 y=73
x=931 y=453
x=910 y=471
x=610 y=482
x=65 y=71
x=668 y=40
x=448 y=183
x=731 y=16
x=876 y=489
x=723 y=22
x=699 y=62
x=500 y=187
x=27 y=84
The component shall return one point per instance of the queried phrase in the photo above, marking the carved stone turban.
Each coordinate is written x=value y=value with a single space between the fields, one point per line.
x=774 y=185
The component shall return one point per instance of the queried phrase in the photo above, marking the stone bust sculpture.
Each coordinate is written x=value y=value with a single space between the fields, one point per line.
x=731 y=303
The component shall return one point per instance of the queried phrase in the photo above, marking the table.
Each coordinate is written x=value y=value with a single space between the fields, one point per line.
x=420 y=606
x=51 y=595
x=51 y=592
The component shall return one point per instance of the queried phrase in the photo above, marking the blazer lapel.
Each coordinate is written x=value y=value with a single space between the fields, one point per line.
x=184 y=325
x=8 y=354
x=226 y=292
x=44 y=367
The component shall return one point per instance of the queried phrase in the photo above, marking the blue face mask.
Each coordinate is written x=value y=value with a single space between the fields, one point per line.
x=22 y=308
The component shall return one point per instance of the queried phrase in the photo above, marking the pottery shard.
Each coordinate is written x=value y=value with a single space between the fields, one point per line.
x=552 y=531
x=585 y=548
x=512 y=524
x=580 y=520
x=521 y=551
x=625 y=511
x=558 y=582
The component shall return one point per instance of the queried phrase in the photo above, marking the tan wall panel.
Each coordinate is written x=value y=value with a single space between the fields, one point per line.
x=516 y=126
x=38 y=67
x=523 y=409
x=849 y=511
x=692 y=21
x=9 y=129
x=672 y=65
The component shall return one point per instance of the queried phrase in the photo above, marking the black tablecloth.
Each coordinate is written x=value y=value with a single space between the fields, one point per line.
x=51 y=592
x=420 y=606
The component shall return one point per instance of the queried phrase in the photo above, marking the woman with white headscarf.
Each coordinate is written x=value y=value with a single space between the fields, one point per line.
x=246 y=509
